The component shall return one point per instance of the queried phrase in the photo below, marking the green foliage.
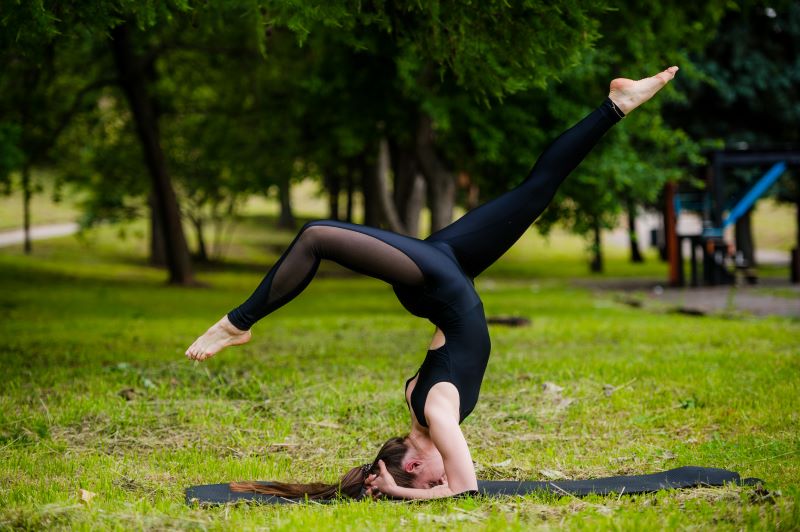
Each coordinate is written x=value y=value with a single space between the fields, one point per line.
x=491 y=49
x=100 y=155
x=746 y=91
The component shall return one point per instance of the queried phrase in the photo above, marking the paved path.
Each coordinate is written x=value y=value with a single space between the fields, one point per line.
x=39 y=232
x=782 y=299
x=769 y=297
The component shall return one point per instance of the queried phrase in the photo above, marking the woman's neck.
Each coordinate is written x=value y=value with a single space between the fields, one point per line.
x=420 y=441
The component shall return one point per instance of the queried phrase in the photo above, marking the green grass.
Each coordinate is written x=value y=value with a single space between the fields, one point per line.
x=320 y=388
x=774 y=225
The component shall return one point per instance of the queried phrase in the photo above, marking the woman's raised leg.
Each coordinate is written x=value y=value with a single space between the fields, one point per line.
x=485 y=233
x=380 y=254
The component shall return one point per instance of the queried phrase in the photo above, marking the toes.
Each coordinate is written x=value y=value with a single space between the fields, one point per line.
x=667 y=74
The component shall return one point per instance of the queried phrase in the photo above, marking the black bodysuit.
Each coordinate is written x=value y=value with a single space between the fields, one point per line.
x=433 y=278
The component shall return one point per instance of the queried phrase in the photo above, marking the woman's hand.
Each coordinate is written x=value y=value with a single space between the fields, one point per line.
x=381 y=484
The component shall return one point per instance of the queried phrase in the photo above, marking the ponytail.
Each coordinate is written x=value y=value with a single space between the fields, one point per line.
x=350 y=485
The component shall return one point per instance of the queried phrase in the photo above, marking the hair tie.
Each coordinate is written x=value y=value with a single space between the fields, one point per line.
x=365 y=469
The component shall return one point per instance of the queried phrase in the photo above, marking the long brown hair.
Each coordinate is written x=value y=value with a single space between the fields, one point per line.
x=350 y=485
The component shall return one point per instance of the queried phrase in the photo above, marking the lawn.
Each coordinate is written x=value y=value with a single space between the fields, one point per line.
x=98 y=395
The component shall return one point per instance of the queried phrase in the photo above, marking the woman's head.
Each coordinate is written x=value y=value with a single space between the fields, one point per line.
x=408 y=467
x=411 y=466
x=393 y=453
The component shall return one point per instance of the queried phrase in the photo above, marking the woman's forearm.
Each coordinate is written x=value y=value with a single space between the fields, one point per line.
x=436 y=492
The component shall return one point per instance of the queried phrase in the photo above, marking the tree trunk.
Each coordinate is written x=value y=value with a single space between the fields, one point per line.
x=202 y=252
x=286 y=219
x=596 y=266
x=371 y=202
x=744 y=238
x=388 y=211
x=132 y=81
x=348 y=215
x=465 y=182
x=334 y=186
x=441 y=182
x=26 y=208
x=409 y=188
x=158 y=254
x=636 y=254
x=413 y=208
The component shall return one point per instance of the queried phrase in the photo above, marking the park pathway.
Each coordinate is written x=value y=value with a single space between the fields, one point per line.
x=39 y=232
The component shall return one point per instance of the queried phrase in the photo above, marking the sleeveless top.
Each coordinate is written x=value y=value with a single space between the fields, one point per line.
x=449 y=300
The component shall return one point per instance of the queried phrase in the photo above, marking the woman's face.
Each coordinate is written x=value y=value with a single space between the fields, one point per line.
x=430 y=471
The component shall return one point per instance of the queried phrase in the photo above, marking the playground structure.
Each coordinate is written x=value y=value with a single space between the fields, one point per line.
x=718 y=259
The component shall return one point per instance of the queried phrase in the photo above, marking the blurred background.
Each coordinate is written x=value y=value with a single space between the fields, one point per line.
x=190 y=127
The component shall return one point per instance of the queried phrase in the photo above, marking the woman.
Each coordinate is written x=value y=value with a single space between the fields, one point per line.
x=432 y=279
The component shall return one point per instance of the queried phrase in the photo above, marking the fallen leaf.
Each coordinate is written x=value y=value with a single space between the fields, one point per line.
x=85 y=496
x=504 y=463
x=564 y=403
x=551 y=387
x=552 y=474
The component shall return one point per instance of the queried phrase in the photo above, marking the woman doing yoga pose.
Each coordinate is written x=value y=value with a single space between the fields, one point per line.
x=433 y=279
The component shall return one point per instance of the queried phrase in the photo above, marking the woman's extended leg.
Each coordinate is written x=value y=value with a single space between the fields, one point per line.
x=367 y=250
x=485 y=233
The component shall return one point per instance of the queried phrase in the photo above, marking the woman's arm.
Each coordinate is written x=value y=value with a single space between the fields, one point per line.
x=441 y=412
x=384 y=484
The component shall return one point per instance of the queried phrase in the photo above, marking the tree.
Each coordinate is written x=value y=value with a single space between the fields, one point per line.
x=642 y=152
x=134 y=74
x=430 y=52
x=42 y=33
x=41 y=93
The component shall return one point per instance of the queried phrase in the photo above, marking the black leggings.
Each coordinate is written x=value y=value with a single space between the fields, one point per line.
x=477 y=239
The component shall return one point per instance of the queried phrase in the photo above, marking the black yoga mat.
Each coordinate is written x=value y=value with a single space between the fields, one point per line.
x=682 y=477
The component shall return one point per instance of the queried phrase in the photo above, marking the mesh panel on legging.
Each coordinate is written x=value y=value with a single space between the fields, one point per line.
x=316 y=241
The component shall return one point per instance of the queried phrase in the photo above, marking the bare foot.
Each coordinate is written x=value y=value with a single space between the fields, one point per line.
x=628 y=94
x=221 y=335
